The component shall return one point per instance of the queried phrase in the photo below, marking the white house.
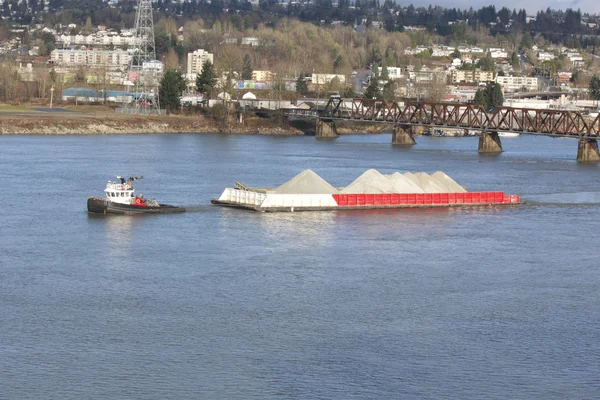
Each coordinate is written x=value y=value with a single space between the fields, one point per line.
x=545 y=56
x=498 y=53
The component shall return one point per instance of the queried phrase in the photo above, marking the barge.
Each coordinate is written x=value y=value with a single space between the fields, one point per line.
x=295 y=195
x=233 y=197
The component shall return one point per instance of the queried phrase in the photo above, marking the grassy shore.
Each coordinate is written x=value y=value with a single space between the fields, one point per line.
x=101 y=120
x=86 y=120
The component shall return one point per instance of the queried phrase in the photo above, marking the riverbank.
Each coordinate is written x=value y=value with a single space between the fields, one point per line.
x=86 y=120
x=69 y=123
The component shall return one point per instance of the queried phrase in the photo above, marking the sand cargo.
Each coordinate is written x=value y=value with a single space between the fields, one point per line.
x=307 y=191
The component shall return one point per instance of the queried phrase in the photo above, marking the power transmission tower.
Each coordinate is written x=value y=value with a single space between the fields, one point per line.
x=144 y=70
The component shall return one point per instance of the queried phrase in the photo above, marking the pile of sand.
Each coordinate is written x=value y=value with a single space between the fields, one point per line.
x=429 y=184
x=448 y=182
x=306 y=182
x=371 y=181
x=404 y=184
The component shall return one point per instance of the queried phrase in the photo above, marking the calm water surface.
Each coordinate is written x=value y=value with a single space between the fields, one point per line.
x=483 y=303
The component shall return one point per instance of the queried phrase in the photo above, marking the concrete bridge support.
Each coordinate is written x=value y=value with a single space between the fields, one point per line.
x=489 y=143
x=587 y=151
x=326 y=129
x=403 y=136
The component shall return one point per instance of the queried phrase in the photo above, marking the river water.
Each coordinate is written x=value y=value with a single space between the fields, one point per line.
x=215 y=303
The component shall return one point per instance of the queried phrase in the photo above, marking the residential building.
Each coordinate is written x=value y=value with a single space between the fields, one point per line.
x=564 y=77
x=250 y=41
x=476 y=76
x=90 y=58
x=262 y=76
x=196 y=60
x=516 y=83
x=393 y=72
x=545 y=56
x=441 y=51
x=483 y=76
x=498 y=53
x=458 y=76
x=322 y=79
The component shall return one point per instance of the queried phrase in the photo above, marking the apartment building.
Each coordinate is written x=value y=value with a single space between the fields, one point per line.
x=262 y=76
x=516 y=83
x=90 y=58
x=196 y=60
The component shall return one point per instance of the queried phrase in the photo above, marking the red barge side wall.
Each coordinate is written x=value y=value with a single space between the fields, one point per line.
x=352 y=200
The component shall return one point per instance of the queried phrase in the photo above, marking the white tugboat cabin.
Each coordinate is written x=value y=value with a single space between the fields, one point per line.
x=122 y=191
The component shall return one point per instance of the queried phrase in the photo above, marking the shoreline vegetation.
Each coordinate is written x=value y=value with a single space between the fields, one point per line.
x=103 y=121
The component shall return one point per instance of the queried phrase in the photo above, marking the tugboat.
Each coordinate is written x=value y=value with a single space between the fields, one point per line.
x=121 y=199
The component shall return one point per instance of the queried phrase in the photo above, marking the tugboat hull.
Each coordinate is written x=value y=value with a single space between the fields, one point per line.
x=101 y=206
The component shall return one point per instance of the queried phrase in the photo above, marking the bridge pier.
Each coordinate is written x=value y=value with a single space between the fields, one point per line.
x=403 y=136
x=489 y=143
x=587 y=151
x=326 y=129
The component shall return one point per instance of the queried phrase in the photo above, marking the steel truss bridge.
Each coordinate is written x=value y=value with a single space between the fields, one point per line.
x=561 y=123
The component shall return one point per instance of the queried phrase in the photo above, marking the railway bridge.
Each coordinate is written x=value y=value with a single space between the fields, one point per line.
x=407 y=117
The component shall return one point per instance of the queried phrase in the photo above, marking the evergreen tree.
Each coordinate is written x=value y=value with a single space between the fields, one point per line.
x=375 y=70
x=514 y=60
x=206 y=79
x=481 y=99
x=385 y=75
x=455 y=53
x=372 y=91
x=595 y=88
x=486 y=63
x=526 y=42
x=247 y=68
x=494 y=95
x=389 y=91
x=171 y=87
x=301 y=86
x=337 y=63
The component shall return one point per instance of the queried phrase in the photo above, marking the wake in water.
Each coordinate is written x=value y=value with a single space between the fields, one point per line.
x=577 y=198
x=198 y=207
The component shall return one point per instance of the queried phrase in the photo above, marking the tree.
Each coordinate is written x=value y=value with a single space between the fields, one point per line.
x=595 y=88
x=372 y=91
x=301 y=86
x=389 y=92
x=206 y=79
x=526 y=42
x=80 y=75
x=490 y=97
x=486 y=63
x=162 y=42
x=494 y=95
x=455 y=53
x=514 y=60
x=338 y=63
x=247 y=68
x=375 y=70
x=52 y=75
x=385 y=75
x=171 y=87
x=171 y=60
x=481 y=99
